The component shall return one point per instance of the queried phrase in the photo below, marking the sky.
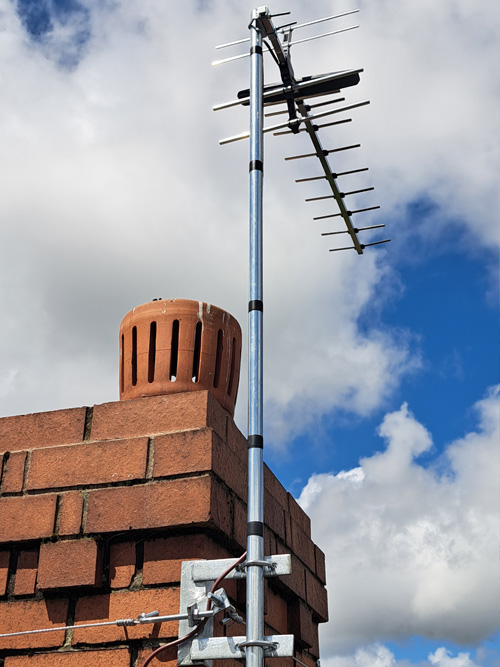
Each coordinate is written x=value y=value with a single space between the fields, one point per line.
x=381 y=370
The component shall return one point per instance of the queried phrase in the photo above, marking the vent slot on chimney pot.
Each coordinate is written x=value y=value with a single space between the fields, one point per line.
x=152 y=352
x=197 y=349
x=176 y=345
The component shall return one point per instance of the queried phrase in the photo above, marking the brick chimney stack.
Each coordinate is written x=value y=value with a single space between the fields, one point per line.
x=99 y=506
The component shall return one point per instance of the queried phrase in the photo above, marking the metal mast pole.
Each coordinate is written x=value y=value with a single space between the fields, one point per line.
x=255 y=527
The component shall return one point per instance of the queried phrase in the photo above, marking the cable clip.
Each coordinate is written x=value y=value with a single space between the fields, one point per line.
x=267 y=646
x=260 y=563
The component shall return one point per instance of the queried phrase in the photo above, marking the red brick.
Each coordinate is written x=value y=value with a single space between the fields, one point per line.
x=240 y=523
x=13 y=474
x=126 y=604
x=276 y=614
x=288 y=528
x=275 y=488
x=306 y=658
x=163 y=557
x=320 y=564
x=112 y=658
x=154 y=415
x=302 y=625
x=316 y=597
x=27 y=517
x=199 y=451
x=237 y=441
x=4 y=571
x=298 y=515
x=69 y=520
x=274 y=514
x=88 y=463
x=176 y=502
x=269 y=542
x=43 y=429
x=26 y=572
x=69 y=563
x=32 y=615
x=296 y=580
x=302 y=546
x=121 y=564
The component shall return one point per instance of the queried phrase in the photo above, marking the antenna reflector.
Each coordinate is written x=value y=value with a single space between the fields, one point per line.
x=238 y=41
x=325 y=34
x=228 y=60
x=327 y=18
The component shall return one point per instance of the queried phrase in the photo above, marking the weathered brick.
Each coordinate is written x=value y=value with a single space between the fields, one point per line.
x=320 y=564
x=316 y=597
x=296 y=580
x=69 y=520
x=43 y=429
x=154 y=415
x=274 y=514
x=307 y=658
x=27 y=517
x=27 y=563
x=269 y=542
x=275 y=488
x=163 y=556
x=126 y=604
x=301 y=624
x=122 y=558
x=198 y=451
x=69 y=563
x=240 y=523
x=13 y=474
x=118 y=657
x=302 y=546
x=176 y=502
x=298 y=515
x=4 y=571
x=32 y=615
x=88 y=463
x=275 y=612
x=237 y=441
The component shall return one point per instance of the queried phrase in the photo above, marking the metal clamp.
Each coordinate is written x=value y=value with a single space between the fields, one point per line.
x=260 y=563
x=267 y=646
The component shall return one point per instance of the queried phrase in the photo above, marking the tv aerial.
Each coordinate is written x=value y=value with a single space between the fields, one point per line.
x=295 y=94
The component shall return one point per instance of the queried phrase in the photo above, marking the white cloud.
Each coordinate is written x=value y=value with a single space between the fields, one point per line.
x=378 y=655
x=116 y=191
x=411 y=550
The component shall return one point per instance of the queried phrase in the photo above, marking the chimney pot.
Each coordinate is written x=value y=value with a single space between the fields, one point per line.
x=168 y=346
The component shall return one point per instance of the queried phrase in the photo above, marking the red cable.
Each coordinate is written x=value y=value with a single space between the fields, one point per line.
x=199 y=627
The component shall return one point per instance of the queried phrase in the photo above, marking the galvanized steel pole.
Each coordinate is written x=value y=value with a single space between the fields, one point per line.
x=255 y=527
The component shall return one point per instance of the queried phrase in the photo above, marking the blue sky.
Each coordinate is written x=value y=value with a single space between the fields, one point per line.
x=381 y=371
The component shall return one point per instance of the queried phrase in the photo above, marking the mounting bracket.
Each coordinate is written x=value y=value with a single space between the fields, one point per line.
x=197 y=578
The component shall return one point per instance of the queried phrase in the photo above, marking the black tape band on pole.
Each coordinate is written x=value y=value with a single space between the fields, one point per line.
x=256 y=304
x=256 y=164
x=255 y=441
x=255 y=528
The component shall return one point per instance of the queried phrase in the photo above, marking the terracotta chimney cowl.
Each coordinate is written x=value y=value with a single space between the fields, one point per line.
x=168 y=346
